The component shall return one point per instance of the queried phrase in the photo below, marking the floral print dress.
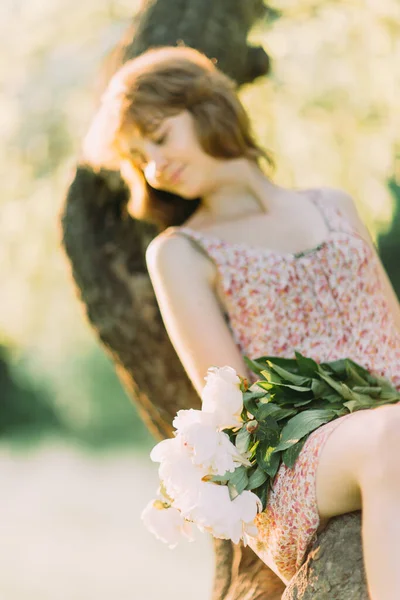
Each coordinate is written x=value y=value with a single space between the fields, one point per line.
x=327 y=303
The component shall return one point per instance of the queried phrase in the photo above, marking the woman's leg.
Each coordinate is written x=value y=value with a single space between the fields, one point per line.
x=359 y=467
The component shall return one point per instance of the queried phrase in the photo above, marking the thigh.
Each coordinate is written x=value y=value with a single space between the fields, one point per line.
x=340 y=463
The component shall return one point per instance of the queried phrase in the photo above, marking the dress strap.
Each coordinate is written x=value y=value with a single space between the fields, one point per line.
x=208 y=247
x=334 y=218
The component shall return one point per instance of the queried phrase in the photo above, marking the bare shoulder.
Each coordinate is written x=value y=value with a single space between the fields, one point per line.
x=346 y=204
x=337 y=196
x=174 y=256
x=166 y=248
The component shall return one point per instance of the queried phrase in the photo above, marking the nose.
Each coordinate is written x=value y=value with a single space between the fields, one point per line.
x=157 y=162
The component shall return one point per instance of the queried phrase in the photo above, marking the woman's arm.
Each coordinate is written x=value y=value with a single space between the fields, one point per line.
x=190 y=308
x=347 y=205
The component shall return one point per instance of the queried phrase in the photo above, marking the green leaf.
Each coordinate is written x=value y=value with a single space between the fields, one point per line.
x=265 y=385
x=340 y=410
x=296 y=388
x=285 y=413
x=333 y=397
x=307 y=366
x=250 y=407
x=383 y=382
x=389 y=396
x=302 y=402
x=302 y=424
x=268 y=432
x=340 y=387
x=298 y=380
x=250 y=400
x=271 y=376
x=274 y=463
x=268 y=409
x=256 y=479
x=268 y=461
x=221 y=478
x=355 y=374
x=242 y=441
x=253 y=449
x=320 y=388
x=337 y=366
x=361 y=374
x=364 y=400
x=290 y=364
x=233 y=493
x=262 y=492
x=373 y=391
x=256 y=365
x=290 y=455
x=239 y=479
x=351 y=405
x=249 y=395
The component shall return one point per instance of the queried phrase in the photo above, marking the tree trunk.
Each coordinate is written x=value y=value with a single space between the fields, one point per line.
x=219 y=28
x=334 y=568
x=106 y=247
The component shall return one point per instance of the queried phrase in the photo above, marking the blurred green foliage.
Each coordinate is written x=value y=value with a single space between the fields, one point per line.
x=82 y=400
x=329 y=112
x=389 y=242
x=23 y=408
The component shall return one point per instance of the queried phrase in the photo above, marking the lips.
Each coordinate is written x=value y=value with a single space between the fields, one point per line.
x=176 y=175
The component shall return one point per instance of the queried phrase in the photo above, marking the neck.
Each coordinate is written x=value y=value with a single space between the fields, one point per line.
x=241 y=189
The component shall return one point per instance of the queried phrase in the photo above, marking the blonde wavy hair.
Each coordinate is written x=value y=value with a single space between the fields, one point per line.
x=160 y=83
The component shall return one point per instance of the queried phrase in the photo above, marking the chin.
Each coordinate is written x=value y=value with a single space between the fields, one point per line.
x=188 y=192
x=188 y=195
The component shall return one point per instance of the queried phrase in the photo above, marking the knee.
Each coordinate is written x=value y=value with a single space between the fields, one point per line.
x=381 y=464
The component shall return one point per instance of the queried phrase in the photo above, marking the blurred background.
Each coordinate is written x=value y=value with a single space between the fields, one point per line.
x=74 y=462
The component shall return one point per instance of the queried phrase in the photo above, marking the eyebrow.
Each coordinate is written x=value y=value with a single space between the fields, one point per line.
x=154 y=126
x=133 y=151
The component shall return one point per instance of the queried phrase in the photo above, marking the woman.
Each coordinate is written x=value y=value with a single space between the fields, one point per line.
x=247 y=267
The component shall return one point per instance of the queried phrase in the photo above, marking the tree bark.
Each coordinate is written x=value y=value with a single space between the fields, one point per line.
x=219 y=28
x=105 y=247
x=334 y=568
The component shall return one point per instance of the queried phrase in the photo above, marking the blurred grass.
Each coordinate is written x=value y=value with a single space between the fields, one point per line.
x=71 y=530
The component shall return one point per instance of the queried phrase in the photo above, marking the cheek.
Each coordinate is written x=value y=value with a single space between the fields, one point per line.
x=195 y=184
x=188 y=148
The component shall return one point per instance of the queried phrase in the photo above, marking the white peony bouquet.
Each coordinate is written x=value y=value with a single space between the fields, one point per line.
x=215 y=473
x=194 y=463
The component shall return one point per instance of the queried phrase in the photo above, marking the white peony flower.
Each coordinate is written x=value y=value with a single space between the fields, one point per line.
x=180 y=477
x=241 y=519
x=212 y=449
x=186 y=418
x=208 y=447
x=166 y=523
x=250 y=530
x=222 y=396
x=212 y=507
x=247 y=505
x=198 y=451
x=223 y=517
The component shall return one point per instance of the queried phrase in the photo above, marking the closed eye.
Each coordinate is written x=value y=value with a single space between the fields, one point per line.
x=161 y=139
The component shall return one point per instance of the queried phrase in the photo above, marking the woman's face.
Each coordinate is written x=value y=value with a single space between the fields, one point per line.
x=172 y=158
